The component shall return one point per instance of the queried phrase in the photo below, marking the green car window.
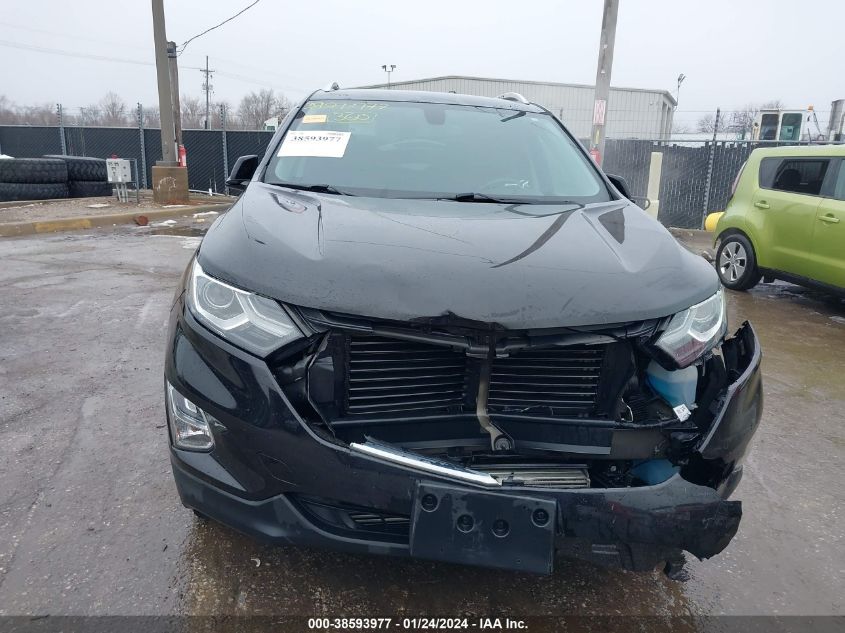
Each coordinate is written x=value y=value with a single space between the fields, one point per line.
x=839 y=189
x=798 y=175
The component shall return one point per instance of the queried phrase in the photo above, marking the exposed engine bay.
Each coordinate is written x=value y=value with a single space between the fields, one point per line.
x=563 y=408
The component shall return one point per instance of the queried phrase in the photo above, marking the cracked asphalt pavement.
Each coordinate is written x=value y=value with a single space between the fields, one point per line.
x=91 y=524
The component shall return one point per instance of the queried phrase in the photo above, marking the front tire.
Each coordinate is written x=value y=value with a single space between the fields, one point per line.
x=736 y=263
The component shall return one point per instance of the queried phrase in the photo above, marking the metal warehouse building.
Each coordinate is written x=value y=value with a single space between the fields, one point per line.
x=632 y=112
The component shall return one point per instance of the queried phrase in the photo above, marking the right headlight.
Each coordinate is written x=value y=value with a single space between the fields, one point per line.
x=254 y=323
x=695 y=331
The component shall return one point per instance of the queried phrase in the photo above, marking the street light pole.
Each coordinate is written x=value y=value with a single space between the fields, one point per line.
x=388 y=68
x=681 y=78
x=605 y=64
x=165 y=99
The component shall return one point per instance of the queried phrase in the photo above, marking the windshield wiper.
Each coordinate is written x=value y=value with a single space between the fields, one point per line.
x=315 y=188
x=473 y=196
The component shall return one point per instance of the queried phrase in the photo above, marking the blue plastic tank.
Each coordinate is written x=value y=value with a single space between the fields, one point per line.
x=675 y=387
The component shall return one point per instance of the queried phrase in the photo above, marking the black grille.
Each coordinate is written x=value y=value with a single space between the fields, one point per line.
x=387 y=375
x=562 y=380
x=339 y=517
x=383 y=522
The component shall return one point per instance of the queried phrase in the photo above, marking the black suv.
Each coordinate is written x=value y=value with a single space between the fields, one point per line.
x=431 y=326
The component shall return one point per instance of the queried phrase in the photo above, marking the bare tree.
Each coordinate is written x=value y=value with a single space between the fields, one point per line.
x=152 y=118
x=44 y=114
x=257 y=107
x=706 y=123
x=193 y=112
x=113 y=110
x=680 y=128
x=742 y=121
x=9 y=112
x=13 y=114
x=232 y=122
x=90 y=115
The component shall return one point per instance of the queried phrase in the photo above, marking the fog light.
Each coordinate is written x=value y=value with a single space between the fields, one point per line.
x=189 y=425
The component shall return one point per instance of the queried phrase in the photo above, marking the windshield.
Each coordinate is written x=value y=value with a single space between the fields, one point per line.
x=427 y=150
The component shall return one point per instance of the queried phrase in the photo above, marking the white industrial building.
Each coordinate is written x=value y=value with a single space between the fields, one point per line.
x=632 y=112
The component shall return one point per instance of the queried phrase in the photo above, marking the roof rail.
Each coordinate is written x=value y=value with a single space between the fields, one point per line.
x=514 y=96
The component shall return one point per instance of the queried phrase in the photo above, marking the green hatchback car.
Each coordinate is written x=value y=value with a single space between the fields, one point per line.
x=786 y=219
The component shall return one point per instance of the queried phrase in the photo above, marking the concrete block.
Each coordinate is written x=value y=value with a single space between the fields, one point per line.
x=170 y=185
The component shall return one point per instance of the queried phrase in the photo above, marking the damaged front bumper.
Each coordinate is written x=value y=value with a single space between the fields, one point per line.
x=275 y=477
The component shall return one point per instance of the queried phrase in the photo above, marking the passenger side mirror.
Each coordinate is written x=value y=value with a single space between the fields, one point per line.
x=242 y=172
x=622 y=187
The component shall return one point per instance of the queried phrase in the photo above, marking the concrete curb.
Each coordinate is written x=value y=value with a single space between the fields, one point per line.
x=13 y=229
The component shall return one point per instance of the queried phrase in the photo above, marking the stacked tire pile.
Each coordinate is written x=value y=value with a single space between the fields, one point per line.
x=33 y=179
x=86 y=177
x=53 y=177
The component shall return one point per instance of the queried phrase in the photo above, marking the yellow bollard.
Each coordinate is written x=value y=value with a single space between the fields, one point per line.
x=712 y=220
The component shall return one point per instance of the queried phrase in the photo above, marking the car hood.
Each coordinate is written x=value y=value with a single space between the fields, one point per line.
x=519 y=266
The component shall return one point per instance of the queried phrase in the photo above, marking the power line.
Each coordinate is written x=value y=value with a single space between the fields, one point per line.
x=216 y=26
x=58 y=51
x=138 y=62
x=20 y=27
x=263 y=71
x=113 y=43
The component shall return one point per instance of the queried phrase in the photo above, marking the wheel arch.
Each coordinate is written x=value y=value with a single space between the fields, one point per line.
x=735 y=231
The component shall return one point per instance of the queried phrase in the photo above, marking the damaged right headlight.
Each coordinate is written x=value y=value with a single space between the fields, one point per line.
x=695 y=331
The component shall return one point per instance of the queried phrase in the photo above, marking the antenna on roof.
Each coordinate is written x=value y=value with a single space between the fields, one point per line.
x=331 y=87
x=514 y=96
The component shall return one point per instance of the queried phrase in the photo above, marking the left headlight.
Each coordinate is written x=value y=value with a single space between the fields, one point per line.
x=695 y=331
x=257 y=324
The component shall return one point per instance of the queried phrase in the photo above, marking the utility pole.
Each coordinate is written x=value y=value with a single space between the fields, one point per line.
x=388 y=68
x=165 y=99
x=208 y=88
x=170 y=182
x=174 y=86
x=605 y=65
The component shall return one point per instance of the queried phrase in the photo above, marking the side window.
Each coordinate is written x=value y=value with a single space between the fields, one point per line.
x=798 y=175
x=839 y=187
x=790 y=126
x=768 y=127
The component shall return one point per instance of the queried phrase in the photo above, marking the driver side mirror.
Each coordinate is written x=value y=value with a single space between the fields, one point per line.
x=242 y=172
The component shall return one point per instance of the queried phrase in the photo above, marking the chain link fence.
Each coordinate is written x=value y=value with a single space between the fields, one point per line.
x=685 y=179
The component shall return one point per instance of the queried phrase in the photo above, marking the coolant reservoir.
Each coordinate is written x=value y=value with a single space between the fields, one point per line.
x=676 y=387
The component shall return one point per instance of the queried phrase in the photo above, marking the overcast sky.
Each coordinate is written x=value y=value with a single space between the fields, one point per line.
x=732 y=51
